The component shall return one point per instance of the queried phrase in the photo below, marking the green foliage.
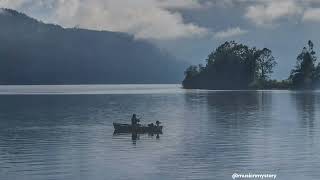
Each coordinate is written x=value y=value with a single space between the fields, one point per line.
x=265 y=65
x=236 y=66
x=201 y=68
x=231 y=66
x=228 y=50
x=305 y=74
x=271 y=84
x=191 y=72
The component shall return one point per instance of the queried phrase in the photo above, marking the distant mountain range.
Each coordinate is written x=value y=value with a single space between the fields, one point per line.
x=32 y=52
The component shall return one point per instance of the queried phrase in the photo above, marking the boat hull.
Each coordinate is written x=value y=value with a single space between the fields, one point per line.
x=128 y=128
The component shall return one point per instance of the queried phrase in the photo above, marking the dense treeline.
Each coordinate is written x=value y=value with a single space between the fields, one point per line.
x=236 y=66
x=306 y=74
x=231 y=66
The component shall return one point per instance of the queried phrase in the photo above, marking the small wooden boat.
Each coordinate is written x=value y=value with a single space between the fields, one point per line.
x=128 y=128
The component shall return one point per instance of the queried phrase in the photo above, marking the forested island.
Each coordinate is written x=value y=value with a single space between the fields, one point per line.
x=236 y=66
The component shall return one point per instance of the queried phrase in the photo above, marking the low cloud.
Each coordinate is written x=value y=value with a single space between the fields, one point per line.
x=231 y=32
x=162 y=19
x=145 y=19
x=312 y=15
x=266 y=13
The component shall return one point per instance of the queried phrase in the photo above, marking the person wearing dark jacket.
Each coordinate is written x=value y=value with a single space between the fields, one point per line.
x=134 y=120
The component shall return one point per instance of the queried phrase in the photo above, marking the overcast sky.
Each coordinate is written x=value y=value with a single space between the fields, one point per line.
x=190 y=29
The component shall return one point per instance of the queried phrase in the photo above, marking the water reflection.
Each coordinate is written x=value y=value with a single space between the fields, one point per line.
x=208 y=135
x=136 y=136
x=233 y=123
x=306 y=102
x=234 y=108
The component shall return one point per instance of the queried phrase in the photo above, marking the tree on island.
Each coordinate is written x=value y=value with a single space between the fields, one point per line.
x=232 y=66
x=266 y=63
x=191 y=72
x=306 y=75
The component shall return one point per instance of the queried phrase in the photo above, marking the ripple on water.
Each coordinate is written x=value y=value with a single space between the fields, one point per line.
x=207 y=134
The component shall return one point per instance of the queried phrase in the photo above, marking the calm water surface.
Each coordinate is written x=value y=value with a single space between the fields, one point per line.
x=65 y=132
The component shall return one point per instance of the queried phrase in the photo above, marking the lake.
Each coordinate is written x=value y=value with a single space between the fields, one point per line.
x=66 y=132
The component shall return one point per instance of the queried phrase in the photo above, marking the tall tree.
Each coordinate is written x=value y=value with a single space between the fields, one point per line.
x=304 y=74
x=265 y=64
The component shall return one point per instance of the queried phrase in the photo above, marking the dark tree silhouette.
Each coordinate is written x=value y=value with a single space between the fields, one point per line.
x=305 y=73
x=266 y=63
x=191 y=71
x=231 y=66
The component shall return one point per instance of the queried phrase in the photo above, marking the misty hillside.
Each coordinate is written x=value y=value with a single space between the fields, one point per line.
x=32 y=52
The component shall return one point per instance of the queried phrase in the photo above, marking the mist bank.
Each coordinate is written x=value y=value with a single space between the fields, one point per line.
x=236 y=66
x=32 y=52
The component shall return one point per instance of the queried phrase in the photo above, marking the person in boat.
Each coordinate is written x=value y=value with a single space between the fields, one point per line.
x=134 y=120
x=158 y=123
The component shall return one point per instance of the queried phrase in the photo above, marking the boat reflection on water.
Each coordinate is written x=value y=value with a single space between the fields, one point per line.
x=136 y=136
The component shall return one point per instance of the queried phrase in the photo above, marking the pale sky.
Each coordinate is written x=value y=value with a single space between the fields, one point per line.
x=190 y=29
